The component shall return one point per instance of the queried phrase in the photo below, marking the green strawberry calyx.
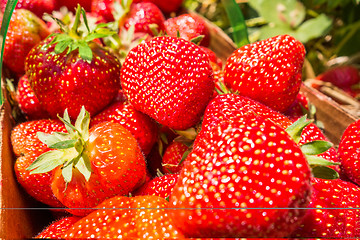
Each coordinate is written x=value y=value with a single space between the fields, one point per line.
x=72 y=39
x=319 y=166
x=68 y=148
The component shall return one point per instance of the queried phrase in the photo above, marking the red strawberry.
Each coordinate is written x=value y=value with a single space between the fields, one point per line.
x=334 y=211
x=28 y=102
x=25 y=31
x=129 y=218
x=89 y=166
x=161 y=186
x=349 y=152
x=298 y=108
x=144 y=129
x=27 y=147
x=173 y=155
x=57 y=229
x=170 y=79
x=103 y=8
x=71 y=5
x=167 y=7
x=189 y=26
x=38 y=7
x=268 y=71
x=67 y=73
x=239 y=165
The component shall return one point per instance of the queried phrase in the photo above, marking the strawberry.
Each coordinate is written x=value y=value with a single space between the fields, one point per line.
x=189 y=26
x=72 y=5
x=298 y=108
x=27 y=147
x=333 y=212
x=38 y=7
x=173 y=155
x=103 y=8
x=268 y=71
x=25 y=31
x=170 y=79
x=161 y=186
x=349 y=152
x=168 y=6
x=57 y=229
x=83 y=162
x=28 y=102
x=144 y=129
x=68 y=73
x=129 y=218
x=236 y=166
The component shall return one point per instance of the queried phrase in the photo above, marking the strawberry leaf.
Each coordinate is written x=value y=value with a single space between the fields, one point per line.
x=319 y=161
x=295 y=129
x=315 y=147
x=84 y=167
x=325 y=173
x=67 y=173
x=64 y=144
x=46 y=162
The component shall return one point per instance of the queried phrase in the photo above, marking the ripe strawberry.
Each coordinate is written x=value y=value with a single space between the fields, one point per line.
x=170 y=79
x=167 y=7
x=72 y=5
x=129 y=218
x=268 y=71
x=173 y=155
x=38 y=7
x=161 y=186
x=103 y=8
x=84 y=163
x=57 y=229
x=27 y=147
x=240 y=165
x=349 y=152
x=25 y=31
x=189 y=26
x=334 y=211
x=144 y=129
x=28 y=102
x=298 y=108
x=74 y=72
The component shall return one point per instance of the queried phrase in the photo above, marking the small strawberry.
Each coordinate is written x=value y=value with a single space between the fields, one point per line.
x=244 y=178
x=269 y=71
x=84 y=161
x=349 y=152
x=170 y=79
x=189 y=26
x=25 y=31
x=161 y=186
x=28 y=102
x=173 y=156
x=144 y=129
x=38 y=7
x=57 y=229
x=333 y=212
x=27 y=147
x=69 y=70
x=72 y=5
x=103 y=8
x=128 y=218
x=168 y=6
x=298 y=108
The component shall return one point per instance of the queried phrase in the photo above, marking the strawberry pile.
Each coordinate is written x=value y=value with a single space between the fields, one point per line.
x=131 y=127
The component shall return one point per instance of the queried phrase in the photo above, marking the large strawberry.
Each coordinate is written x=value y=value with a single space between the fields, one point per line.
x=144 y=129
x=127 y=218
x=91 y=165
x=244 y=178
x=27 y=147
x=70 y=70
x=170 y=79
x=334 y=211
x=38 y=7
x=268 y=71
x=349 y=152
x=57 y=229
x=25 y=31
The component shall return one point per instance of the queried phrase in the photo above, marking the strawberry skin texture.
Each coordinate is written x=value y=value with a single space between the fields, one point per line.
x=25 y=31
x=189 y=26
x=38 y=7
x=103 y=8
x=172 y=157
x=26 y=147
x=161 y=186
x=140 y=217
x=170 y=79
x=118 y=167
x=268 y=71
x=247 y=163
x=349 y=152
x=63 y=81
x=57 y=229
x=28 y=102
x=167 y=7
x=338 y=219
x=144 y=129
